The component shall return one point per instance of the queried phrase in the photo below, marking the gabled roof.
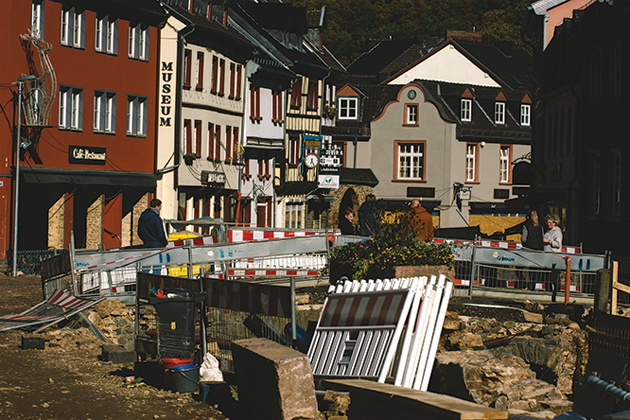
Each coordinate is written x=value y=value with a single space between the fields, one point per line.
x=540 y=7
x=507 y=65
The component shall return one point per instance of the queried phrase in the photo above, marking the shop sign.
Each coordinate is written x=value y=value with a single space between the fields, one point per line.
x=86 y=155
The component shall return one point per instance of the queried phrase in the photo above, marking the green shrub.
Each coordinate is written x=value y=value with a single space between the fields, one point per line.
x=392 y=246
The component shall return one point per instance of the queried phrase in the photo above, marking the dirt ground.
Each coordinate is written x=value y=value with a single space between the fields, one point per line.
x=69 y=382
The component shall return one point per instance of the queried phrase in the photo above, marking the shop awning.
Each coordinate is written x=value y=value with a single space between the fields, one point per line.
x=87 y=177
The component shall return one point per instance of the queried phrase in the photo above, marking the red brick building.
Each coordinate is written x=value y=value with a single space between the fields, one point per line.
x=87 y=166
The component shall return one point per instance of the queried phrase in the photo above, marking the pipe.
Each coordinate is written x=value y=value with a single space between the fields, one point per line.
x=608 y=387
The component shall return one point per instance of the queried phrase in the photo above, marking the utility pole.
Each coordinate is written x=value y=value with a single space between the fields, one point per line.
x=18 y=146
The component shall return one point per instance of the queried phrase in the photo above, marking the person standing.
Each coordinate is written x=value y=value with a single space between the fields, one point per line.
x=368 y=215
x=419 y=221
x=553 y=237
x=532 y=233
x=345 y=223
x=151 y=227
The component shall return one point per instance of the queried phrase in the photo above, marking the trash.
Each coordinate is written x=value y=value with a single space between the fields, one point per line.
x=209 y=370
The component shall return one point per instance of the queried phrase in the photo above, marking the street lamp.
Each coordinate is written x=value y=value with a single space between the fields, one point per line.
x=20 y=83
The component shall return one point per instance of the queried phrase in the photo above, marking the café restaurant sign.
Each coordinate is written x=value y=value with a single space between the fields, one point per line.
x=86 y=155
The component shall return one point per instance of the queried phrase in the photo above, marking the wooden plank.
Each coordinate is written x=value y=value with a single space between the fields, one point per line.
x=374 y=399
x=615 y=286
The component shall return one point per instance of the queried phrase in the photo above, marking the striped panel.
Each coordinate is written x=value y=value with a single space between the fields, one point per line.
x=273 y=272
x=375 y=310
x=26 y=318
x=248 y=297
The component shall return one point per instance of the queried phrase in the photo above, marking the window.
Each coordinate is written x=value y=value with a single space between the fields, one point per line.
x=296 y=94
x=235 y=141
x=72 y=27
x=312 y=96
x=199 y=70
x=293 y=151
x=254 y=106
x=37 y=18
x=229 y=148
x=210 y=141
x=466 y=111
x=221 y=77
x=215 y=73
x=615 y=168
x=70 y=108
x=104 y=111
x=188 y=143
x=139 y=42
x=348 y=108
x=411 y=114
x=526 y=115
x=410 y=161
x=187 y=68
x=499 y=112
x=293 y=215
x=232 y=80
x=198 y=138
x=277 y=106
x=472 y=150
x=137 y=115
x=263 y=169
x=217 y=142
x=106 y=39
x=239 y=72
x=505 y=164
x=595 y=181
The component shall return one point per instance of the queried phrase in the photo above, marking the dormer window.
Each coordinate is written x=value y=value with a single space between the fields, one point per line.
x=411 y=114
x=526 y=115
x=499 y=113
x=466 y=110
x=348 y=108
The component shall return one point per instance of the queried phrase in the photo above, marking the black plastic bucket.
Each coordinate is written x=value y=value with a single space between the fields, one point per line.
x=183 y=378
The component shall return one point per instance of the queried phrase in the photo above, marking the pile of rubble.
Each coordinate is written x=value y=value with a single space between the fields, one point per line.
x=521 y=366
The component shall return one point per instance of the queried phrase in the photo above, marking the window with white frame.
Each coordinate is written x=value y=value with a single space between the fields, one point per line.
x=72 y=27
x=615 y=168
x=472 y=150
x=137 y=115
x=410 y=161
x=71 y=108
x=104 y=111
x=499 y=112
x=37 y=17
x=139 y=41
x=466 y=110
x=595 y=181
x=526 y=111
x=293 y=215
x=348 y=108
x=505 y=164
x=106 y=39
x=411 y=114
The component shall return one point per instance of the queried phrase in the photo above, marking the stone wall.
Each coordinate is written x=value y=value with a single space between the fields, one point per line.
x=94 y=220
x=361 y=192
x=56 y=214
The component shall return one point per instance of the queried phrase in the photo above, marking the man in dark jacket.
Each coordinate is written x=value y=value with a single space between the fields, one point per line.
x=150 y=226
x=368 y=215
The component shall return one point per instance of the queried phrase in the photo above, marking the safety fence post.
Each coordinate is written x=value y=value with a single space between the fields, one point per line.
x=567 y=281
x=473 y=266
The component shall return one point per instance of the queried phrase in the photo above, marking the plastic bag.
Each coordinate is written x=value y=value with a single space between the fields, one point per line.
x=209 y=370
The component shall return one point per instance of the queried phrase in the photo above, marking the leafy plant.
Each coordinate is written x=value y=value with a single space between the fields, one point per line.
x=393 y=246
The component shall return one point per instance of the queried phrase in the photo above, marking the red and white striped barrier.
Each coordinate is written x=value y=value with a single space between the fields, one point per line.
x=502 y=244
x=262 y=273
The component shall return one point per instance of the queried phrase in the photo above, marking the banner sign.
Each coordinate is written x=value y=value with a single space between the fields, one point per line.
x=86 y=155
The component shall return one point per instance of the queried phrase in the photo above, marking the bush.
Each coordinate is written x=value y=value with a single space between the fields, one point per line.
x=393 y=246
